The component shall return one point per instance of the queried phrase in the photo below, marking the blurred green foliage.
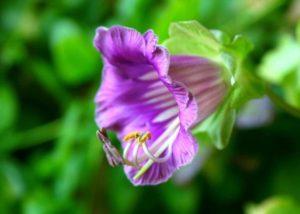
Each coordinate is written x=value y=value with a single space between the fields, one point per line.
x=281 y=67
x=279 y=204
x=50 y=160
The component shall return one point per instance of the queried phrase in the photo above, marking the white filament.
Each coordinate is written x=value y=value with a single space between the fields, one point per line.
x=135 y=154
x=172 y=125
x=149 y=163
x=125 y=153
x=157 y=159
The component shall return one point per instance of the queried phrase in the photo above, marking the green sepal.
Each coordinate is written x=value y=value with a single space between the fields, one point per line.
x=191 y=38
x=217 y=128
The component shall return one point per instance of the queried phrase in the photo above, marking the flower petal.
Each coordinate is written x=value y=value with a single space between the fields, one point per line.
x=137 y=94
x=151 y=41
x=203 y=79
x=120 y=45
x=184 y=148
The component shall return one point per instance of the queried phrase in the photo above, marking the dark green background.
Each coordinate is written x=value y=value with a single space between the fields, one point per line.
x=50 y=159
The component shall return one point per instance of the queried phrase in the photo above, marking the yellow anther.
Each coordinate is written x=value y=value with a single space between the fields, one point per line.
x=145 y=137
x=131 y=136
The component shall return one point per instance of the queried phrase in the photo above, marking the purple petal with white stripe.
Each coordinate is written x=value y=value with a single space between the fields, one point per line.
x=144 y=90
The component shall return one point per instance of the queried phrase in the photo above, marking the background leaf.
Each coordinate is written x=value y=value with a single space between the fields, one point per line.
x=276 y=205
x=73 y=53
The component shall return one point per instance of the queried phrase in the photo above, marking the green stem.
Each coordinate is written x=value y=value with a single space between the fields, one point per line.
x=281 y=103
x=32 y=137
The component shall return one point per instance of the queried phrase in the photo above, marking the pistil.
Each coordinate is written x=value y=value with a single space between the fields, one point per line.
x=112 y=154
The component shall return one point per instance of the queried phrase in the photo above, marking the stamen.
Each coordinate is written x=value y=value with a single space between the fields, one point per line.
x=138 y=140
x=125 y=154
x=156 y=159
x=162 y=148
x=132 y=135
x=135 y=154
x=126 y=150
x=145 y=137
x=160 y=140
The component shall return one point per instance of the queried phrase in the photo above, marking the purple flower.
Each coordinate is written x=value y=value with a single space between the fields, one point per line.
x=152 y=100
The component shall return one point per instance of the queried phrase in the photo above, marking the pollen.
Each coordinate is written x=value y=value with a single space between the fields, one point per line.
x=132 y=136
x=136 y=140
x=144 y=137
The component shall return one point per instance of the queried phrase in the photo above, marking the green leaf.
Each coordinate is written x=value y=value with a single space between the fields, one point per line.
x=298 y=31
x=181 y=199
x=173 y=11
x=11 y=181
x=275 y=205
x=280 y=62
x=217 y=128
x=74 y=56
x=69 y=131
x=8 y=109
x=45 y=75
x=39 y=201
x=123 y=187
x=31 y=137
x=13 y=52
x=281 y=67
x=64 y=186
x=247 y=12
x=291 y=91
x=285 y=177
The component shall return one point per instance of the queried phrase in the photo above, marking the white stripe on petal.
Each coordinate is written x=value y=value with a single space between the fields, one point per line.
x=165 y=115
x=155 y=92
x=157 y=85
x=172 y=125
x=149 y=76
x=165 y=97
x=166 y=104
x=200 y=79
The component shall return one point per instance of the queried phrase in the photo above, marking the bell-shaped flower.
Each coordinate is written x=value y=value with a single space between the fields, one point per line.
x=152 y=100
